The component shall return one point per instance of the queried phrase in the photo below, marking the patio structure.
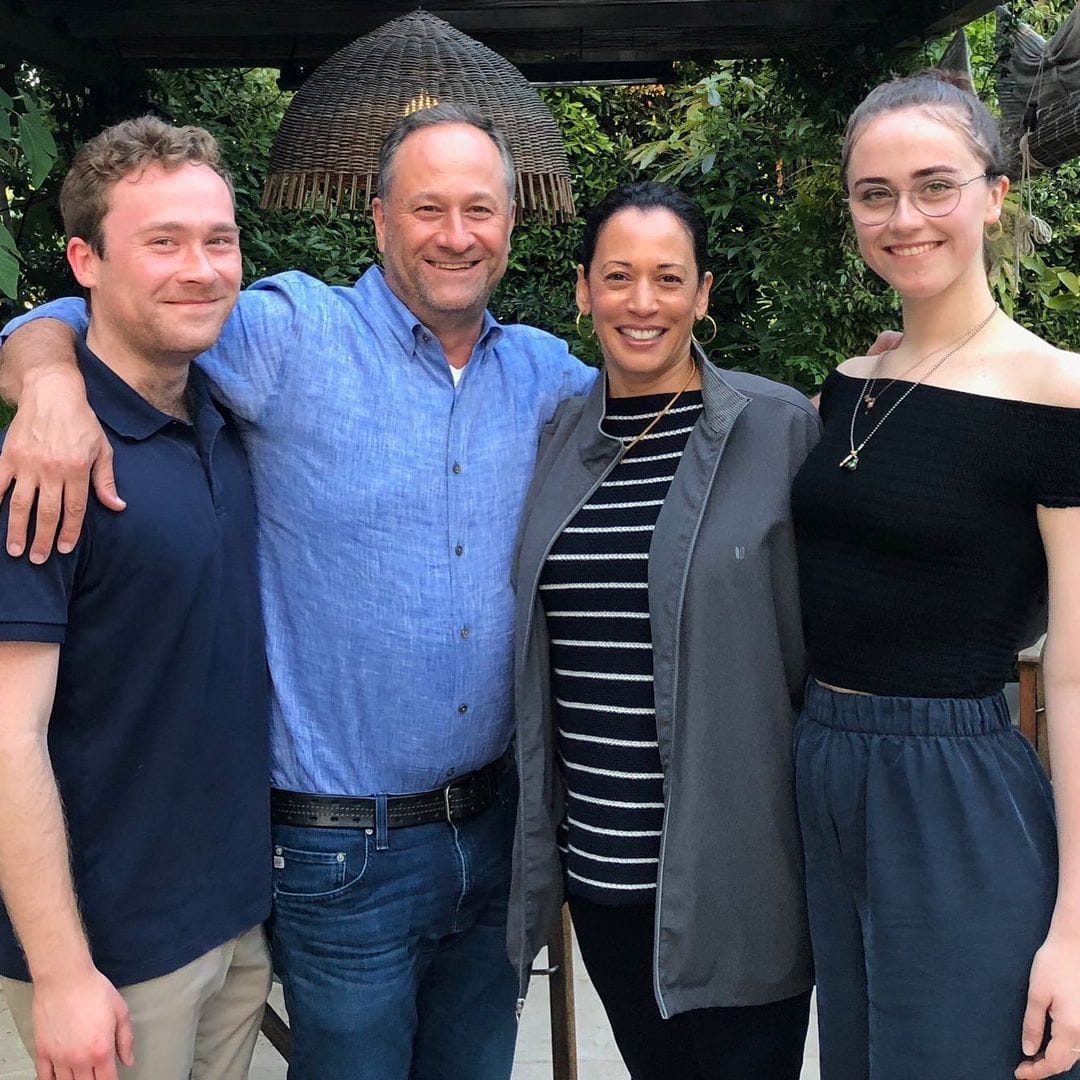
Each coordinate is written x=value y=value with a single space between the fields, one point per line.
x=550 y=40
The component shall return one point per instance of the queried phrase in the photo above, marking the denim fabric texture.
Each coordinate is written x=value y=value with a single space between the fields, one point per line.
x=388 y=505
x=391 y=945
x=931 y=862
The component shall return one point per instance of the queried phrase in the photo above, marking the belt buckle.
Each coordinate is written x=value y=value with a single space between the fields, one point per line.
x=446 y=802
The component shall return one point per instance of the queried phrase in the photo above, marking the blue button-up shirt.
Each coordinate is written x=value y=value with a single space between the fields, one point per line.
x=388 y=505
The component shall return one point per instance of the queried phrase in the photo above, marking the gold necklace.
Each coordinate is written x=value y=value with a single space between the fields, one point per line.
x=851 y=461
x=628 y=446
x=868 y=395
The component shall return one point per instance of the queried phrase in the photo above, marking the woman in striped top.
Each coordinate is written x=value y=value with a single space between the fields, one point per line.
x=642 y=551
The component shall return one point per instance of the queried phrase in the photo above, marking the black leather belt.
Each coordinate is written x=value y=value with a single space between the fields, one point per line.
x=460 y=800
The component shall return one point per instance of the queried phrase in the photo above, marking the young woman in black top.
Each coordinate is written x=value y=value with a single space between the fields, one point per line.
x=940 y=508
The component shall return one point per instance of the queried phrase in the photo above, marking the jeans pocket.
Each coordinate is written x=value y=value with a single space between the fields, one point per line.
x=303 y=874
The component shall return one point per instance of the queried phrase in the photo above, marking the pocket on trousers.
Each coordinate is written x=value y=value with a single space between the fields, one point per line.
x=317 y=875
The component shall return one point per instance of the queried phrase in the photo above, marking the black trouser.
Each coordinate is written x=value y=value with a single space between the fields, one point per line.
x=748 y=1042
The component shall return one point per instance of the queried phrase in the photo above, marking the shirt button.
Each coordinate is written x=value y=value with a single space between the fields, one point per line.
x=459 y=550
x=425 y=338
x=456 y=468
x=465 y=631
x=450 y=772
x=463 y=708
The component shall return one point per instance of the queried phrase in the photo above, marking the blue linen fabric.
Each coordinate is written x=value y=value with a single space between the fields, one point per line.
x=388 y=506
x=158 y=732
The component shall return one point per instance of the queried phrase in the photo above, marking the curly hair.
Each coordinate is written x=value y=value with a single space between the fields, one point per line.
x=125 y=148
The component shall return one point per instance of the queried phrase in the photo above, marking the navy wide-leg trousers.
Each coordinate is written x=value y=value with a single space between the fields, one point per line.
x=931 y=875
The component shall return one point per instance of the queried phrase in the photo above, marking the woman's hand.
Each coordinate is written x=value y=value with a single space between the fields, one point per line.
x=1054 y=994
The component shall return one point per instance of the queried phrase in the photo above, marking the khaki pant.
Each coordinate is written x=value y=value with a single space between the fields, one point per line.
x=200 y=1021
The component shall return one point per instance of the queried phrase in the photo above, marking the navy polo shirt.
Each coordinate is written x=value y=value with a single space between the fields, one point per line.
x=159 y=732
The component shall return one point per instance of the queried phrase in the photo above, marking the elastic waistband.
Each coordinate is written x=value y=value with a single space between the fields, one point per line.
x=906 y=715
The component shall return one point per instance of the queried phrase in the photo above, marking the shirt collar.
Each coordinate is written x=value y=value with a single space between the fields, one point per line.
x=406 y=328
x=121 y=407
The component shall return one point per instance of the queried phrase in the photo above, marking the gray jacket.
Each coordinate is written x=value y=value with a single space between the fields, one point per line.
x=728 y=668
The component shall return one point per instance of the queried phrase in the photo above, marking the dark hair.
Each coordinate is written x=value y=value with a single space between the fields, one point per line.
x=647 y=195
x=444 y=113
x=949 y=97
x=125 y=148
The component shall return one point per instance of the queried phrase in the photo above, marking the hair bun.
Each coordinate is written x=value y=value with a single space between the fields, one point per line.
x=960 y=79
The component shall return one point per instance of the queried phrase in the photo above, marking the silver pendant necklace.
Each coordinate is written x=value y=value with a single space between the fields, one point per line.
x=851 y=460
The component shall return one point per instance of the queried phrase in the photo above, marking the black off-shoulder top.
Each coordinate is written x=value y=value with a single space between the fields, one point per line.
x=922 y=571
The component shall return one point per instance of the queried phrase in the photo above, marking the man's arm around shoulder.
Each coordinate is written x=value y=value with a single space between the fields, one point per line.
x=55 y=445
x=80 y=1021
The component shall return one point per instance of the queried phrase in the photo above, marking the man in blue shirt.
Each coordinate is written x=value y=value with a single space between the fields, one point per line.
x=133 y=697
x=391 y=429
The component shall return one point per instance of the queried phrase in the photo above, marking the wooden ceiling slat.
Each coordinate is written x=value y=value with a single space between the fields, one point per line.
x=760 y=19
x=77 y=34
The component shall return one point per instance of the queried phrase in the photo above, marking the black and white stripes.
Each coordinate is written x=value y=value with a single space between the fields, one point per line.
x=594 y=590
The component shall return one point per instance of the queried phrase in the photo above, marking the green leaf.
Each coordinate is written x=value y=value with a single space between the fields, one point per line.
x=1062 y=303
x=5 y=125
x=707 y=162
x=9 y=265
x=6 y=103
x=38 y=146
x=1070 y=281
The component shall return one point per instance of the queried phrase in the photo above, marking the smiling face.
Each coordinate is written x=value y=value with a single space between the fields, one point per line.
x=444 y=226
x=917 y=255
x=643 y=293
x=170 y=269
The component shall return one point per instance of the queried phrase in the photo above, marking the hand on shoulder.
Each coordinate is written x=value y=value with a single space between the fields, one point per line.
x=859 y=367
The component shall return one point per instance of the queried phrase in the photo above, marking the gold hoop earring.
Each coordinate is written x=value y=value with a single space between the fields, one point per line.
x=715 y=330
x=994 y=231
x=580 y=333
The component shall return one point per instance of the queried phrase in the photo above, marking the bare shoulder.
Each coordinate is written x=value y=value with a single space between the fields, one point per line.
x=1040 y=372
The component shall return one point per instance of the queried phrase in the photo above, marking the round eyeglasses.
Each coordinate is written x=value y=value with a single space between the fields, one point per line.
x=875 y=204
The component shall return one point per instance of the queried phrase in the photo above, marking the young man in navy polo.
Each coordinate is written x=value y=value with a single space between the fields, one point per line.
x=134 y=824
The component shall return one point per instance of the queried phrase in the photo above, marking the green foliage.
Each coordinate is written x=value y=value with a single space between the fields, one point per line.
x=1031 y=274
x=756 y=142
x=27 y=154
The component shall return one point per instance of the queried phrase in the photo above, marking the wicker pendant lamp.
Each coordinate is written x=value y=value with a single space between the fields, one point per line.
x=325 y=154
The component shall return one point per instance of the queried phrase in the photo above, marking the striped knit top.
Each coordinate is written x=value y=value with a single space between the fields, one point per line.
x=594 y=592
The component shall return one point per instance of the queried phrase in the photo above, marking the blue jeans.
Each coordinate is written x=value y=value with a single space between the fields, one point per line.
x=391 y=947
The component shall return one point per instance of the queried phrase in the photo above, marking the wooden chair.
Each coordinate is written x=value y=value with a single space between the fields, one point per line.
x=1032 y=709
x=560 y=973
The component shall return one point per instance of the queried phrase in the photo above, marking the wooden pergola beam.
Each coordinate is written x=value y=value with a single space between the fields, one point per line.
x=91 y=36
x=40 y=43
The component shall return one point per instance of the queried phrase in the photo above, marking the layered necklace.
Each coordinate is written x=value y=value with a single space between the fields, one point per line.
x=868 y=398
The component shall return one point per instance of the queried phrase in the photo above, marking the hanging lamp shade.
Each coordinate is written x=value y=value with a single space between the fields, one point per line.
x=326 y=152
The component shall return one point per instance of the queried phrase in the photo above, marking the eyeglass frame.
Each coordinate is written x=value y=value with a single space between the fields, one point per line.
x=986 y=174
